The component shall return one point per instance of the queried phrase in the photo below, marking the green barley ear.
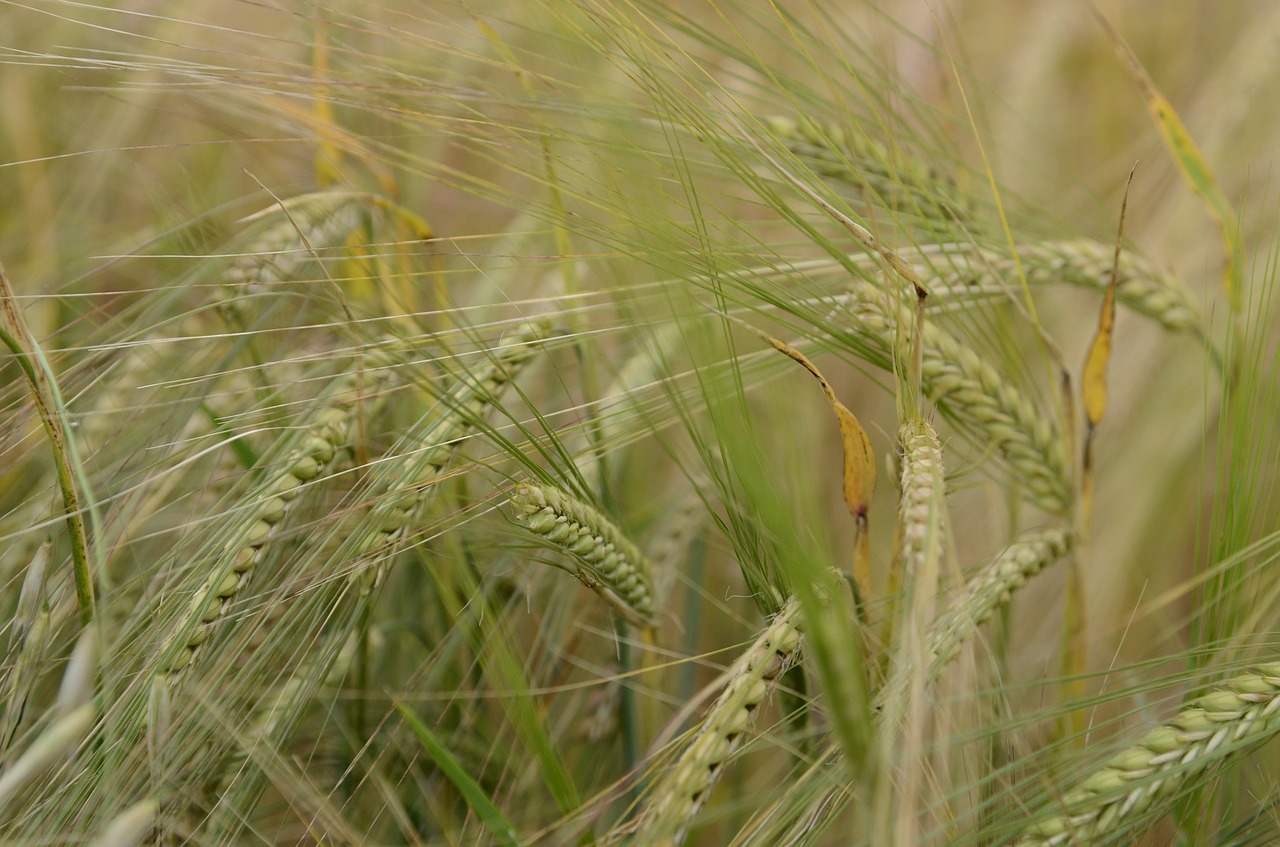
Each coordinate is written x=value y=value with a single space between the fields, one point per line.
x=295 y=237
x=960 y=271
x=974 y=393
x=437 y=441
x=861 y=163
x=921 y=527
x=682 y=790
x=57 y=740
x=1123 y=794
x=28 y=643
x=605 y=560
x=991 y=588
x=920 y=519
x=286 y=237
x=308 y=454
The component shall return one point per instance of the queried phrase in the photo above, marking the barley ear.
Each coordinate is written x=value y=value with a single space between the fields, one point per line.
x=991 y=588
x=974 y=393
x=1121 y=795
x=681 y=791
x=462 y=407
x=862 y=163
x=28 y=643
x=290 y=235
x=56 y=741
x=128 y=828
x=920 y=520
x=606 y=561
x=1140 y=284
x=308 y=455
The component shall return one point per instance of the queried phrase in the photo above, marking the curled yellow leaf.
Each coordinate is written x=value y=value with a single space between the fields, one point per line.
x=859 y=464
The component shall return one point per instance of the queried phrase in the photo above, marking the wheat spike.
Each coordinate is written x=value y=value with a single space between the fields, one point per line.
x=682 y=790
x=968 y=388
x=607 y=562
x=1243 y=712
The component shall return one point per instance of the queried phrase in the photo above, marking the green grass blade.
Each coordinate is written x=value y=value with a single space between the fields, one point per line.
x=489 y=814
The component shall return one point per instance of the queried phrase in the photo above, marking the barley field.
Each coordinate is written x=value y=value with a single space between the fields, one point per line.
x=639 y=422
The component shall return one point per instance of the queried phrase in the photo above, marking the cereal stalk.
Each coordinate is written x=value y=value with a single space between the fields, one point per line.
x=607 y=562
x=45 y=394
x=1242 y=713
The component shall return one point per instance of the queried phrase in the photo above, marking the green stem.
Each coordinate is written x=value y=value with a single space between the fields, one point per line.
x=17 y=336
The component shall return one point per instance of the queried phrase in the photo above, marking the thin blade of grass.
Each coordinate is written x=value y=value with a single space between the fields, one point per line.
x=492 y=818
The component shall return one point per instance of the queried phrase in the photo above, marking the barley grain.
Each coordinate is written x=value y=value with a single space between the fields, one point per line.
x=607 y=562
x=1242 y=713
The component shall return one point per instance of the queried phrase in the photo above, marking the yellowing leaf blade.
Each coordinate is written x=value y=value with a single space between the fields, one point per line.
x=1191 y=163
x=859 y=464
x=1094 y=381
